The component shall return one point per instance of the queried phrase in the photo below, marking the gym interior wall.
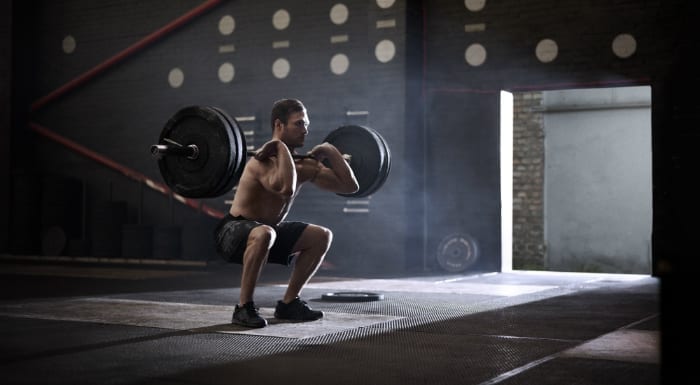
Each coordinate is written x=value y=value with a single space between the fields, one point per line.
x=95 y=82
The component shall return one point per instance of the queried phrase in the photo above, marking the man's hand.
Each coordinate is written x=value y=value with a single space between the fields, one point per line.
x=337 y=176
x=322 y=151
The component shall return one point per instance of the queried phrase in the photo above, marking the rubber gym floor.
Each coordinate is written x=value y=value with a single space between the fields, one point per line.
x=89 y=322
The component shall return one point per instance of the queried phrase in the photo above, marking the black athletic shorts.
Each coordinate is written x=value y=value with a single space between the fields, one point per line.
x=231 y=237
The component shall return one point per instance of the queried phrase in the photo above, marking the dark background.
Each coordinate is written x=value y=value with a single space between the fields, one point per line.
x=438 y=114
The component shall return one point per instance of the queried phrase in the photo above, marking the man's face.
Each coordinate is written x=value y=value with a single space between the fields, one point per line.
x=296 y=129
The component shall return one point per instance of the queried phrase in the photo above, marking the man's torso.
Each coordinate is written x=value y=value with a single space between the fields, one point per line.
x=254 y=202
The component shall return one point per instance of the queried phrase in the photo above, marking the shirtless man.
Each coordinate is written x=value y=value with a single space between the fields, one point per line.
x=254 y=231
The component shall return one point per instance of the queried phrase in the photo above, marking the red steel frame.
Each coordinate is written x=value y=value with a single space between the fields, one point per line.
x=98 y=69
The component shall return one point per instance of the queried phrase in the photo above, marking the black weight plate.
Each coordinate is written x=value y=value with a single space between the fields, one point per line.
x=385 y=174
x=201 y=177
x=239 y=149
x=352 y=296
x=386 y=165
x=367 y=151
x=457 y=252
x=220 y=188
x=371 y=188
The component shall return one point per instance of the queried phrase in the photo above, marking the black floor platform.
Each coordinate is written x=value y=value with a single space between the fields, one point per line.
x=69 y=323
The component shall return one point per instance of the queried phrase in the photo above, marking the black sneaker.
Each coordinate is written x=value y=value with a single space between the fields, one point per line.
x=247 y=315
x=297 y=310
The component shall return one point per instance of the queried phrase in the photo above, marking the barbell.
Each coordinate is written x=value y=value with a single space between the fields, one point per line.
x=202 y=151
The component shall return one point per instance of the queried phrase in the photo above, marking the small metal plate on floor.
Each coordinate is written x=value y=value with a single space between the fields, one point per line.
x=352 y=296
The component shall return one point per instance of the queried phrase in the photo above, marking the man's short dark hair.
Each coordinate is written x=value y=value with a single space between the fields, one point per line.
x=281 y=110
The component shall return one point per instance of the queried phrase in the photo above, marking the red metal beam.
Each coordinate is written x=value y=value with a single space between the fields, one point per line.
x=91 y=73
x=139 y=45
x=135 y=175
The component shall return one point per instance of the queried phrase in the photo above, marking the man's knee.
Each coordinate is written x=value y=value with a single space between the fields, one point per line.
x=262 y=236
x=324 y=235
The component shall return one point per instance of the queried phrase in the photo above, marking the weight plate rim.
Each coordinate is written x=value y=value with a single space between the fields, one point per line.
x=373 y=186
x=232 y=161
x=385 y=175
x=386 y=165
x=240 y=136
x=352 y=296
x=229 y=183
x=243 y=154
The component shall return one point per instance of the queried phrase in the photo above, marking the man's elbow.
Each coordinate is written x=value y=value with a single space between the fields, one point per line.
x=284 y=190
x=352 y=188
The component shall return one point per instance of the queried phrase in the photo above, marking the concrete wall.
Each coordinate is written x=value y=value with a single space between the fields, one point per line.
x=598 y=213
x=597 y=170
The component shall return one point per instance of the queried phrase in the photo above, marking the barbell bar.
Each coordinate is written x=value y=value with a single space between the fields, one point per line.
x=201 y=153
x=191 y=151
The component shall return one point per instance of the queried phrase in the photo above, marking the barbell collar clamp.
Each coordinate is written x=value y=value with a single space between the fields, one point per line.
x=190 y=151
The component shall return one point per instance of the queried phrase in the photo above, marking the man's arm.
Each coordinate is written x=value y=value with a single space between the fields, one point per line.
x=339 y=177
x=278 y=173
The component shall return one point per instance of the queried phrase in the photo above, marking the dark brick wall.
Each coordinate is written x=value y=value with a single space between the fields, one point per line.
x=528 y=181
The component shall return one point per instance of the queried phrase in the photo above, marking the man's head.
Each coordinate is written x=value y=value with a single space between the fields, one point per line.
x=289 y=122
